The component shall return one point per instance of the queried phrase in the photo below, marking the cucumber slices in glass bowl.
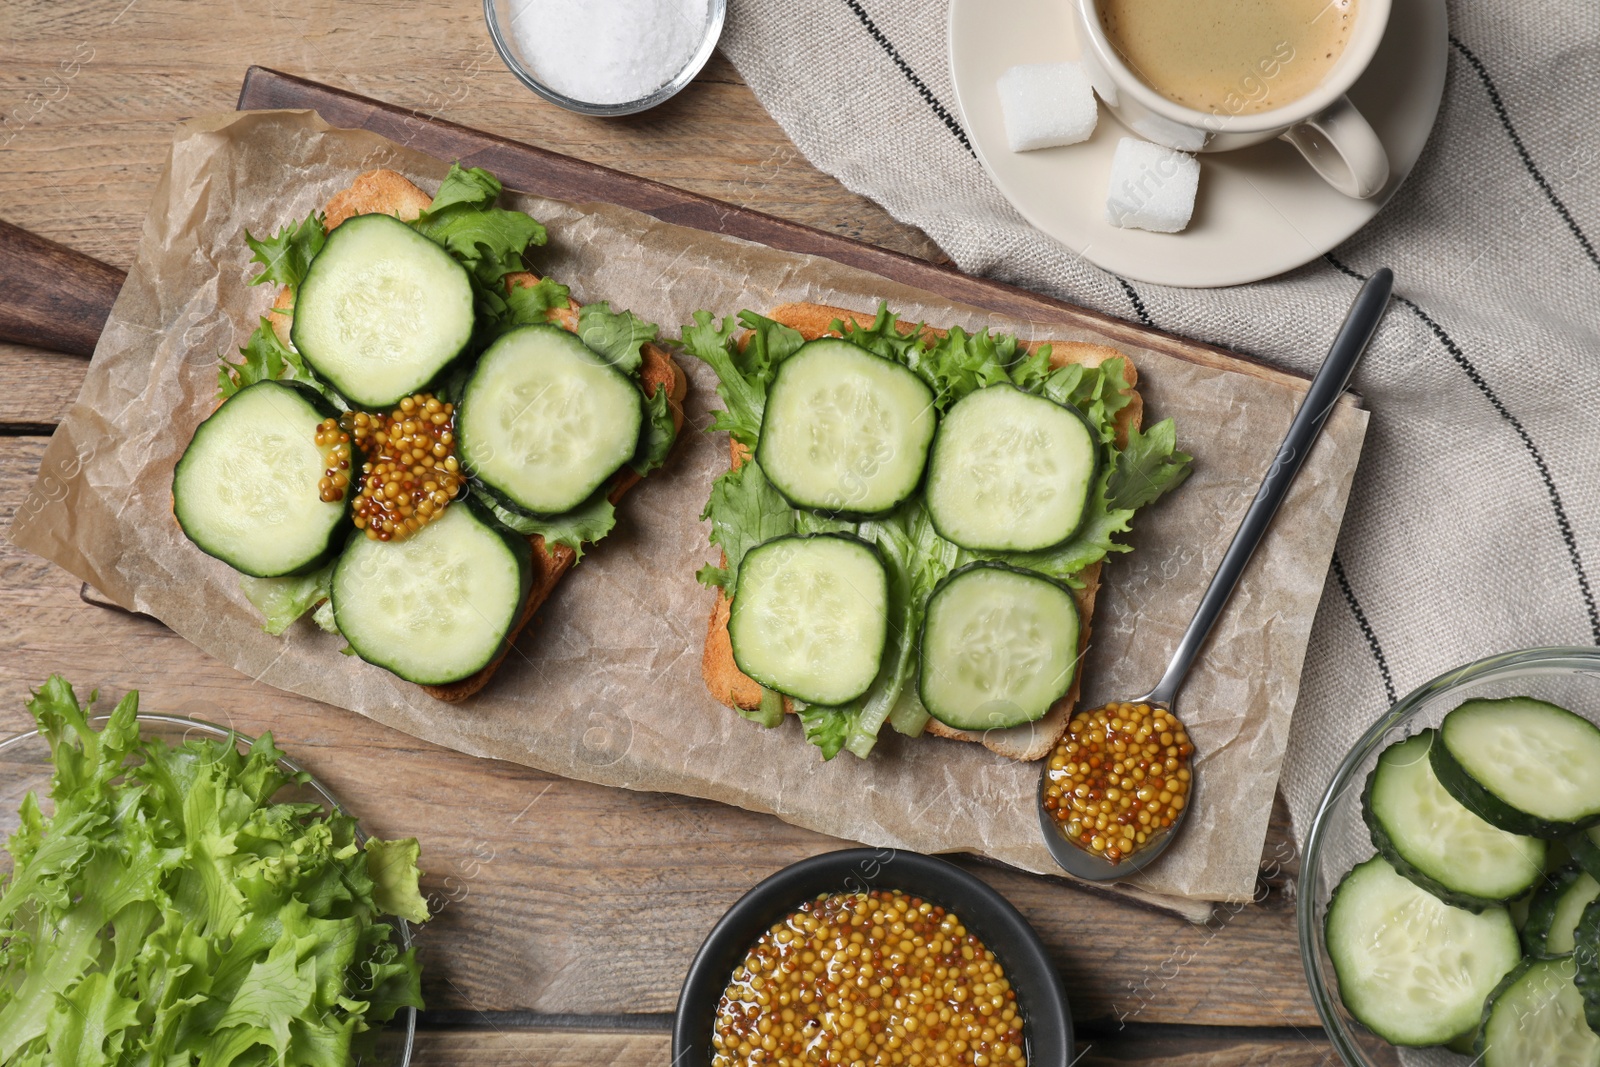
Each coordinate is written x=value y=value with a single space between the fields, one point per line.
x=1473 y=934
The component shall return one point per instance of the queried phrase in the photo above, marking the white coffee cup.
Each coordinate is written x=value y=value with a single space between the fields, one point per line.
x=1327 y=129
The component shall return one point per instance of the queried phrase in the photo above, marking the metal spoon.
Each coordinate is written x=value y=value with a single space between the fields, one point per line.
x=1359 y=325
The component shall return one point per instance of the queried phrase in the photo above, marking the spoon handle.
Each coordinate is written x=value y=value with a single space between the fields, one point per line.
x=1359 y=325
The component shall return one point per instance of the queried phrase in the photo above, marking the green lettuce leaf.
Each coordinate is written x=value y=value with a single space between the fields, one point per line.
x=743 y=374
x=916 y=559
x=265 y=359
x=473 y=187
x=1148 y=466
x=1099 y=392
x=583 y=525
x=769 y=712
x=954 y=365
x=528 y=305
x=283 y=600
x=489 y=241
x=744 y=510
x=616 y=335
x=286 y=255
x=392 y=866
x=660 y=431
x=828 y=728
x=171 y=911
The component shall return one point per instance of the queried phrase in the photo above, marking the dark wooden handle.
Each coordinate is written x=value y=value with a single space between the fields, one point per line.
x=50 y=296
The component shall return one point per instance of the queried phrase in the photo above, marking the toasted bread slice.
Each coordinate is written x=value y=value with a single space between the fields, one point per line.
x=1030 y=741
x=391 y=193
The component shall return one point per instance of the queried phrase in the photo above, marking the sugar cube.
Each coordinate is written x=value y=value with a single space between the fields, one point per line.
x=1152 y=188
x=1047 y=104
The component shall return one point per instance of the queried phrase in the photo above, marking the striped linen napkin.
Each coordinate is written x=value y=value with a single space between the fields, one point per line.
x=1474 y=524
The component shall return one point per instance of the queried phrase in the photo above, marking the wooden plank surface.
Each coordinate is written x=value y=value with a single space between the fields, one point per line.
x=566 y=910
x=510 y=1047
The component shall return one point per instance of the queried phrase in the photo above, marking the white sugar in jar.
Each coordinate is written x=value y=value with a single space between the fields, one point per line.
x=608 y=51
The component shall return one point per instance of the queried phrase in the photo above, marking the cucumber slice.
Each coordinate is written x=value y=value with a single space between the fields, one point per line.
x=1553 y=916
x=1524 y=765
x=1585 y=848
x=439 y=605
x=545 y=420
x=1428 y=836
x=246 y=488
x=811 y=616
x=844 y=431
x=1413 y=969
x=381 y=311
x=1586 y=956
x=1010 y=471
x=999 y=647
x=1535 y=1019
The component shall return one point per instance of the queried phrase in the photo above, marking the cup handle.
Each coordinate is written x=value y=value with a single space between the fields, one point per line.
x=1341 y=146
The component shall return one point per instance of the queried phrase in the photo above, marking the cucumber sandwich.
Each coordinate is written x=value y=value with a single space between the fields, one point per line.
x=422 y=435
x=913 y=523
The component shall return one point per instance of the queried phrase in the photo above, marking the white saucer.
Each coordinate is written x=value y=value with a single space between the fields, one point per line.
x=1261 y=210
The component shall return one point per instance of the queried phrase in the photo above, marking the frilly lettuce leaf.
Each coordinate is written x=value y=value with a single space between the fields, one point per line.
x=828 y=728
x=489 y=241
x=527 y=305
x=470 y=187
x=583 y=525
x=744 y=367
x=283 y=600
x=392 y=866
x=1147 y=467
x=286 y=255
x=617 y=335
x=171 y=911
x=744 y=510
x=660 y=431
x=265 y=358
x=954 y=365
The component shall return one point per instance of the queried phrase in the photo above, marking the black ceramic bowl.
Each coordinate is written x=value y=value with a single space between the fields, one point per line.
x=1047 y=1026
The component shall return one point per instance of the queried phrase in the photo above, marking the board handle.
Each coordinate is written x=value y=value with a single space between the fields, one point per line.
x=50 y=296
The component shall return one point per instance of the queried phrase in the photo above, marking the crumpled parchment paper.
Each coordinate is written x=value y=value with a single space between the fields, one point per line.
x=606 y=684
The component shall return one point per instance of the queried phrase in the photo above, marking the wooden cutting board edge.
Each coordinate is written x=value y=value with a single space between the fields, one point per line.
x=545 y=173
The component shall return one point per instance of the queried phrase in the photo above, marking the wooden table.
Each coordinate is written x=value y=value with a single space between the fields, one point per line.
x=566 y=913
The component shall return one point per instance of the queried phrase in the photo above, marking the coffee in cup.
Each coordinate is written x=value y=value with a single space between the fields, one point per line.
x=1229 y=57
x=1216 y=75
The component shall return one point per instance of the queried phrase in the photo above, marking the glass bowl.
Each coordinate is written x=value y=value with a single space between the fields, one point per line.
x=1047 y=1023
x=25 y=767
x=499 y=16
x=1339 y=838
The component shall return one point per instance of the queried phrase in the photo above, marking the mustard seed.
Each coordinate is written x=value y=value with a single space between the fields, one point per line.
x=1120 y=774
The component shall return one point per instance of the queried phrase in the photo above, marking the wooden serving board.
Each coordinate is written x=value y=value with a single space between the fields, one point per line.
x=560 y=177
